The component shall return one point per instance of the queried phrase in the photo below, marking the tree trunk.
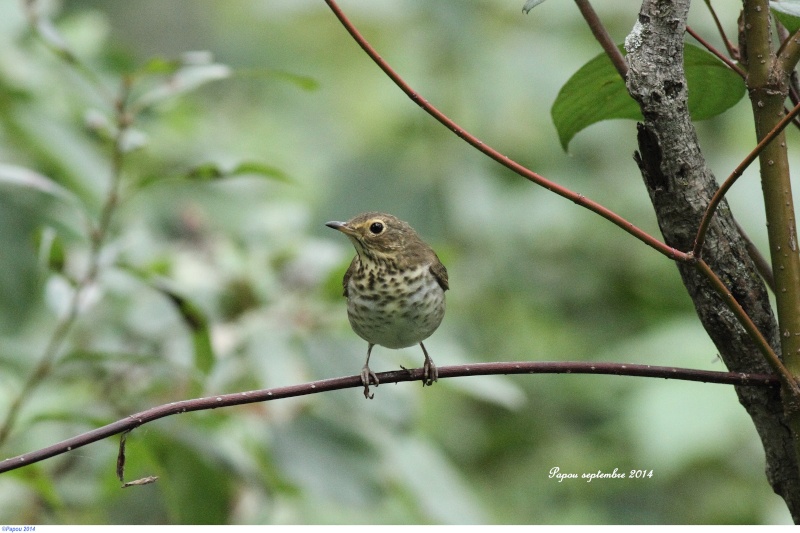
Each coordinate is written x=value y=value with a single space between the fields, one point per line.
x=680 y=186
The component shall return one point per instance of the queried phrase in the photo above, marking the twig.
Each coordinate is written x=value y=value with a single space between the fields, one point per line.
x=722 y=57
x=762 y=265
x=476 y=369
x=732 y=51
x=601 y=34
x=737 y=172
x=507 y=162
x=752 y=330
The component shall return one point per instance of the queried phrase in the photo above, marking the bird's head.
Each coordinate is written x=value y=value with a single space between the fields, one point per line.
x=380 y=235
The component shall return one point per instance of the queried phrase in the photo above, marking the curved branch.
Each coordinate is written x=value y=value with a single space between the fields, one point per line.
x=507 y=162
x=476 y=369
x=761 y=342
x=601 y=34
x=762 y=265
x=737 y=172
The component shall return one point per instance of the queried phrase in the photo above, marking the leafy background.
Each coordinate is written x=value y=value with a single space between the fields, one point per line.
x=223 y=209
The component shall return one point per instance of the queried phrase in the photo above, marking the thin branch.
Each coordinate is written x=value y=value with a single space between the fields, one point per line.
x=602 y=36
x=752 y=330
x=507 y=162
x=762 y=265
x=476 y=369
x=732 y=51
x=722 y=57
x=737 y=172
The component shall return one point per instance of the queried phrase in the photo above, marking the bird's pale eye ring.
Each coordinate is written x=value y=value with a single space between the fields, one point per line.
x=376 y=228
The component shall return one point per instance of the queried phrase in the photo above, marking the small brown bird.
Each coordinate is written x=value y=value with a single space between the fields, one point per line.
x=394 y=287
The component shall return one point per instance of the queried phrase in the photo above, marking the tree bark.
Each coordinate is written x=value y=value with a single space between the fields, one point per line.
x=680 y=186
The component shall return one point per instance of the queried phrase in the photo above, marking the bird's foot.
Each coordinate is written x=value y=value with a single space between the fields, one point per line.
x=366 y=376
x=430 y=373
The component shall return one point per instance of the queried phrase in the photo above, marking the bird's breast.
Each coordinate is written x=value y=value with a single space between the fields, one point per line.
x=395 y=308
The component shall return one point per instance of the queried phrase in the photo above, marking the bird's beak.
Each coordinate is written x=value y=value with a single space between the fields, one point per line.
x=341 y=226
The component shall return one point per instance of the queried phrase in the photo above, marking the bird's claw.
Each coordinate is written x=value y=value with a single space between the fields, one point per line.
x=430 y=373
x=368 y=375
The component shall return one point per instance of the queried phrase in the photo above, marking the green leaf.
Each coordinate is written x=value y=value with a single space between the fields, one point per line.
x=198 y=324
x=443 y=495
x=194 y=70
x=214 y=171
x=530 y=4
x=159 y=65
x=25 y=177
x=597 y=92
x=53 y=39
x=788 y=13
x=132 y=140
x=52 y=255
x=42 y=483
x=99 y=124
x=713 y=87
x=195 y=487
x=203 y=351
x=306 y=83
x=260 y=169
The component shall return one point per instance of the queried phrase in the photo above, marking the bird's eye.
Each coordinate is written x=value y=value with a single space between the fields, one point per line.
x=376 y=228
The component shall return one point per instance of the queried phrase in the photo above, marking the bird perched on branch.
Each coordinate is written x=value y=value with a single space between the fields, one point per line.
x=394 y=287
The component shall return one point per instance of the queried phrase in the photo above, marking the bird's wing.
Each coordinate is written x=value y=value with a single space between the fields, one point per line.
x=352 y=268
x=440 y=273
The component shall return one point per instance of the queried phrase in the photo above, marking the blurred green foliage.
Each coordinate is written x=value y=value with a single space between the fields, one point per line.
x=217 y=274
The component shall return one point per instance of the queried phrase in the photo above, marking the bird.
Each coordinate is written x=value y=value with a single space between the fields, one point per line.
x=395 y=288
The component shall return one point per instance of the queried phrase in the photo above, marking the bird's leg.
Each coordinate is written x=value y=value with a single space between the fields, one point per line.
x=367 y=374
x=429 y=371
